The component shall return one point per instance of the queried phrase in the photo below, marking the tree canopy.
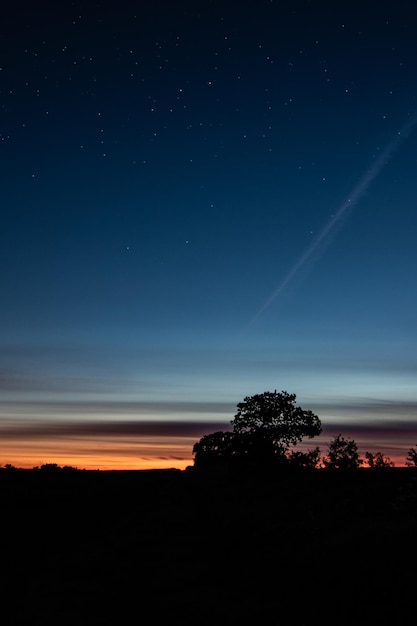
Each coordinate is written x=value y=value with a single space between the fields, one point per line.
x=214 y=450
x=276 y=416
x=264 y=428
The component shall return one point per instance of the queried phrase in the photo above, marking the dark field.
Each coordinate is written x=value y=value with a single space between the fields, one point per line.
x=317 y=547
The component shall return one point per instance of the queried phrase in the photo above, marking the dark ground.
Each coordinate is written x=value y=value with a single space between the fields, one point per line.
x=113 y=548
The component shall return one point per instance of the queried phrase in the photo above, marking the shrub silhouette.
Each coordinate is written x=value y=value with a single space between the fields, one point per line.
x=342 y=454
x=310 y=459
x=411 y=459
x=378 y=460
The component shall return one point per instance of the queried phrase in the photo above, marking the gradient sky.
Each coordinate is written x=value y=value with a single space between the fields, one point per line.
x=202 y=201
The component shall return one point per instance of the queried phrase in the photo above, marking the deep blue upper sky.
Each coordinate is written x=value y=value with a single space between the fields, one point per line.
x=170 y=173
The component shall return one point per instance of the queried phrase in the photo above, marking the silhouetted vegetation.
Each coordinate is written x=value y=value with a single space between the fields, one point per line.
x=411 y=459
x=54 y=468
x=264 y=432
x=342 y=454
x=89 y=547
x=264 y=428
x=207 y=547
x=311 y=459
x=378 y=460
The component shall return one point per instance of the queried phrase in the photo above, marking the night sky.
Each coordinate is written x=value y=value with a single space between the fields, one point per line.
x=202 y=201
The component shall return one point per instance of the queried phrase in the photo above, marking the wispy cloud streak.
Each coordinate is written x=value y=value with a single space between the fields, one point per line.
x=163 y=429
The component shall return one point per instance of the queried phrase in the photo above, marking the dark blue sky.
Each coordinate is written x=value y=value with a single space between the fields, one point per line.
x=205 y=200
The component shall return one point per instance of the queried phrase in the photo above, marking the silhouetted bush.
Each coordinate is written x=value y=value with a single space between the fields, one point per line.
x=342 y=454
x=411 y=459
x=378 y=460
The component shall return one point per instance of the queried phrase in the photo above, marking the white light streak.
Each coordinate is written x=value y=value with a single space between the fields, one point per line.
x=335 y=223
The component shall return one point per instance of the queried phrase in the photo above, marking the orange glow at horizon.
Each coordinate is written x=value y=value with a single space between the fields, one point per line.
x=100 y=453
x=147 y=452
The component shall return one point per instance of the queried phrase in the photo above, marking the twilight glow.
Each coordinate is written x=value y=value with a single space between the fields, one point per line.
x=164 y=167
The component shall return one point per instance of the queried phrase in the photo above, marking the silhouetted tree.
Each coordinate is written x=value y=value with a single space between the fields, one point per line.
x=342 y=454
x=264 y=427
x=214 y=450
x=411 y=459
x=378 y=460
x=275 y=417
